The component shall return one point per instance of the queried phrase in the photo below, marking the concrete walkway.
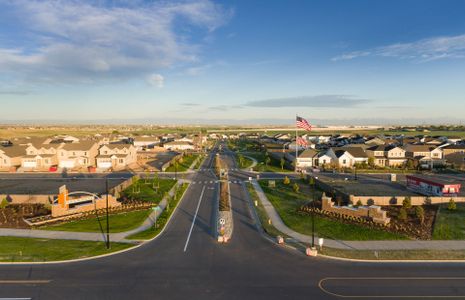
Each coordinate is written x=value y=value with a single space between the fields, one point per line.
x=119 y=237
x=352 y=245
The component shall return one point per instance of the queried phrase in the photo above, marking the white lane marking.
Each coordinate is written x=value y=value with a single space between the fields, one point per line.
x=195 y=217
x=15 y=298
x=24 y=282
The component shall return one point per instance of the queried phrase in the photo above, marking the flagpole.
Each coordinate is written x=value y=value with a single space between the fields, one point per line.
x=296 y=151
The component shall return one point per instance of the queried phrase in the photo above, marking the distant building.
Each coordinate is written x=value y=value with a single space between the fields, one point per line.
x=432 y=187
x=179 y=145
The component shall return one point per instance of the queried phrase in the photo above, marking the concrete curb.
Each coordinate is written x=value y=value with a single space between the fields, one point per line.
x=108 y=254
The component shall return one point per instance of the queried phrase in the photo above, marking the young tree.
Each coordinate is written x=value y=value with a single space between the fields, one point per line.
x=4 y=203
x=267 y=160
x=420 y=213
x=407 y=203
x=452 y=205
x=296 y=187
x=241 y=159
x=286 y=180
x=359 y=203
x=282 y=162
x=371 y=162
x=409 y=164
x=403 y=214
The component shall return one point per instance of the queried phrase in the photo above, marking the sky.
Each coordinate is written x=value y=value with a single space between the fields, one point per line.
x=243 y=61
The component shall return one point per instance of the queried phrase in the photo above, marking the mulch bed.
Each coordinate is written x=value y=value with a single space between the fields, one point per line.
x=13 y=215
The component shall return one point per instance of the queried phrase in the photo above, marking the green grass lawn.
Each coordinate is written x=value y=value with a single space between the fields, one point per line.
x=245 y=163
x=184 y=163
x=287 y=202
x=273 y=166
x=450 y=225
x=118 y=223
x=162 y=219
x=15 y=249
x=151 y=190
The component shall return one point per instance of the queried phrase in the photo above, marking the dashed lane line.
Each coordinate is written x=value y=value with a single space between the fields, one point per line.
x=195 y=217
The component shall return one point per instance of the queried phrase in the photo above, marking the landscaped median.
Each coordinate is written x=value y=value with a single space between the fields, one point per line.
x=225 y=223
x=352 y=242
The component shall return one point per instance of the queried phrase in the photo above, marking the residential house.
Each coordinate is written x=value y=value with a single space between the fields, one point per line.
x=10 y=156
x=387 y=155
x=78 y=155
x=144 y=142
x=453 y=149
x=425 y=155
x=116 y=156
x=179 y=146
x=40 y=156
x=307 y=159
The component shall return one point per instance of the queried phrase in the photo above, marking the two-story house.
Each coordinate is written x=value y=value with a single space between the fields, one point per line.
x=116 y=156
x=387 y=155
x=78 y=155
x=10 y=156
x=40 y=156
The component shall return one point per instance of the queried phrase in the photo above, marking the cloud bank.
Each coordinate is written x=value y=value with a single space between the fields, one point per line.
x=323 y=101
x=81 y=42
x=420 y=51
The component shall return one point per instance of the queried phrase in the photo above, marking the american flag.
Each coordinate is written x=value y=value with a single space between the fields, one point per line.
x=302 y=123
x=301 y=141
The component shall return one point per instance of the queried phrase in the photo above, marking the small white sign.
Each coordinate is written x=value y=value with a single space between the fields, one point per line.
x=222 y=221
x=320 y=242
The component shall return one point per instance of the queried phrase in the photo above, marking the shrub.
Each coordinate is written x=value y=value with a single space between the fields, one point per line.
x=370 y=202
x=359 y=203
x=452 y=205
x=296 y=187
x=420 y=213
x=286 y=180
x=4 y=203
x=403 y=214
x=407 y=203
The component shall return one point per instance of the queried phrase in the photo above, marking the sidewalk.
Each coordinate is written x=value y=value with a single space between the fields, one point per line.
x=352 y=245
x=119 y=237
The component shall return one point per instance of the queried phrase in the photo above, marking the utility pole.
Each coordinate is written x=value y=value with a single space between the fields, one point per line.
x=108 y=220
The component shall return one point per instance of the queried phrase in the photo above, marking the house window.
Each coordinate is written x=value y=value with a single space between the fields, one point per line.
x=85 y=153
x=121 y=160
x=344 y=161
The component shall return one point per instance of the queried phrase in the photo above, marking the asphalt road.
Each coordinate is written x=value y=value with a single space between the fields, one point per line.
x=186 y=262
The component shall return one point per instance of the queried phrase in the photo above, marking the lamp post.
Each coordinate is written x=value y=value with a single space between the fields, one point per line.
x=108 y=220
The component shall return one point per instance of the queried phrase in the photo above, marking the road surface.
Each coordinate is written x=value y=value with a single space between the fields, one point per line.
x=186 y=262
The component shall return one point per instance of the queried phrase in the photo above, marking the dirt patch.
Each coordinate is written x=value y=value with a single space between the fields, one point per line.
x=13 y=215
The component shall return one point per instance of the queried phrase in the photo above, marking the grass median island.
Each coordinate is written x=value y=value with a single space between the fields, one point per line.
x=450 y=224
x=183 y=163
x=287 y=202
x=243 y=162
x=163 y=218
x=118 y=223
x=16 y=249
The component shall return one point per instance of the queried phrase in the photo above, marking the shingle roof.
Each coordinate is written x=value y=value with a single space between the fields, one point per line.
x=81 y=146
x=14 y=151
x=308 y=153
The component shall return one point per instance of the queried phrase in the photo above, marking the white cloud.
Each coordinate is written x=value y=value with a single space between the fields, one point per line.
x=420 y=51
x=88 y=42
x=156 y=80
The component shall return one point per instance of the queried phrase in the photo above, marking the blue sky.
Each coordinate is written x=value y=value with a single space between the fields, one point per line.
x=238 y=61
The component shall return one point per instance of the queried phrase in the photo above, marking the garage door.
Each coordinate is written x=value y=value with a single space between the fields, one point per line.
x=66 y=164
x=104 y=164
x=30 y=164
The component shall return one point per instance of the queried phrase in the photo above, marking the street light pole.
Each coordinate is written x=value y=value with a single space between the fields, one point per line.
x=313 y=213
x=108 y=220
